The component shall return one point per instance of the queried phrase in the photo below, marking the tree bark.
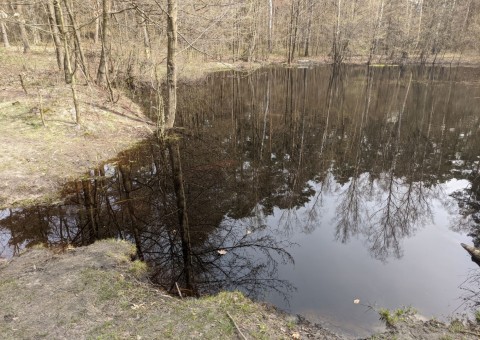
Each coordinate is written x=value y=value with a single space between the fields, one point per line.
x=3 y=28
x=171 y=64
x=56 y=39
x=309 y=28
x=146 y=36
x=270 y=25
x=76 y=35
x=67 y=69
x=97 y=22
x=68 y=65
x=23 y=31
x=102 y=66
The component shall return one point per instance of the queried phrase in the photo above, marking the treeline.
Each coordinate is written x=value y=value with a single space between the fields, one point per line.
x=133 y=30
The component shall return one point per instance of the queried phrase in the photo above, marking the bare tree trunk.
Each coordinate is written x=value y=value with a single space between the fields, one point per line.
x=337 y=54
x=160 y=109
x=76 y=35
x=171 y=64
x=3 y=28
x=23 y=31
x=294 y=13
x=56 y=39
x=146 y=37
x=68 y=65
x=270 y=25
x=102 y=67
x=252 y=36
x=309 y=28
x=61 y=28
x=378 y=24
x=420 y=17
x=97 y=22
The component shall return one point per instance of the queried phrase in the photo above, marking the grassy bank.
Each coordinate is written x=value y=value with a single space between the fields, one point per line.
x=97 y=292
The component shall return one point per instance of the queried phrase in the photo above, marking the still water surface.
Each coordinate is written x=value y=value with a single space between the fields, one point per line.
x=307 y=188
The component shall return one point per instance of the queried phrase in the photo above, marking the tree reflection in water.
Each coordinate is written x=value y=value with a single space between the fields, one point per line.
x=374 y=144
x=139 y=199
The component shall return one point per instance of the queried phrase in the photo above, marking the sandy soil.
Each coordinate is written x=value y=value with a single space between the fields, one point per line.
x=35 y=160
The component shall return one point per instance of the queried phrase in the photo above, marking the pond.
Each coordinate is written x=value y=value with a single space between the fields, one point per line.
x=304 y=187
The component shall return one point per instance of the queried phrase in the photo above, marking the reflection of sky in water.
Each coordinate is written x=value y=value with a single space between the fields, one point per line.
x=329 y=274
x=5 y=236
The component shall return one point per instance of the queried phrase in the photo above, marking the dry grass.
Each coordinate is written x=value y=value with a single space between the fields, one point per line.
x=35 y=159
x=90 y=293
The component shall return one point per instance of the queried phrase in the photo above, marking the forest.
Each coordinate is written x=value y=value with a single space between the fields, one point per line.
x=123 y=35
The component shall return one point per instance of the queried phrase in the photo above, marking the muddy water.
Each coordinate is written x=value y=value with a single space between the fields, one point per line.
x=308 y=188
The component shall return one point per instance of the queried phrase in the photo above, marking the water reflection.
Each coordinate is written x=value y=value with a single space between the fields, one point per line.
x=267 y=158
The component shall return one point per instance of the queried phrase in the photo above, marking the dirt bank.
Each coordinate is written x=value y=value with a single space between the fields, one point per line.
x=98 y=292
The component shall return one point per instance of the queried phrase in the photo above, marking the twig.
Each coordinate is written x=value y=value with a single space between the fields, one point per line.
x=236 y=326
x=41 y=110
x=468 y=332
x=23 y=84
x=178 y=289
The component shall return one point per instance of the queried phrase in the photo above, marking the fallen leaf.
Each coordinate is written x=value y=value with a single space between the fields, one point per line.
x=135 y=307
x=356 y=301
x=222 y=251
x=296 y=335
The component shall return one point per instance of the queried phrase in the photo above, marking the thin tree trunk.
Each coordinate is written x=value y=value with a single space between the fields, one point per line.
x=102 y=66
x=23 y=31
x=171 y=64
x=270 y=25
x=68 y=65
x=76 y=35
x=309 y=28
x=146 y=37
x=378 y=24
x=61 y=28
x=56 y=39
x=97 y=22
x=252 y=41
x=3 y=28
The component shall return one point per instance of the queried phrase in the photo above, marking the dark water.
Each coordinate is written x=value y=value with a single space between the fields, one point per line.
x=307 y=188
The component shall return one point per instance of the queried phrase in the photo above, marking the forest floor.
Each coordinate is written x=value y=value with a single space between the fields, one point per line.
x=36 y=159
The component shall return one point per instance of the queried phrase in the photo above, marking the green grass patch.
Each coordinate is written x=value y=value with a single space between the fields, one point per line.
x=392 y=317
